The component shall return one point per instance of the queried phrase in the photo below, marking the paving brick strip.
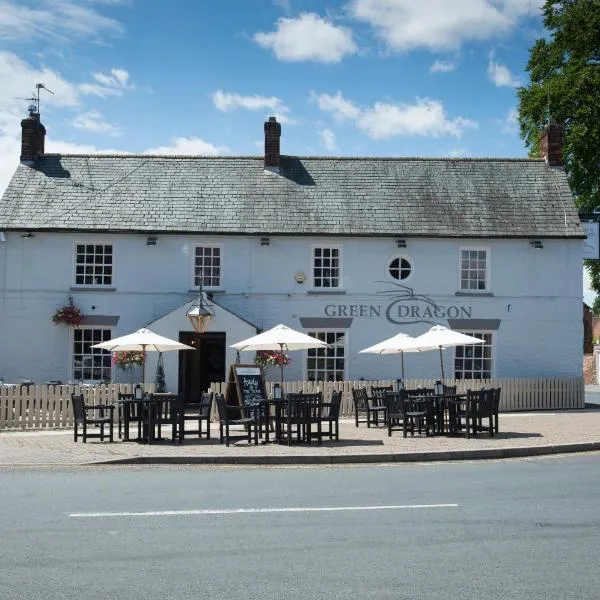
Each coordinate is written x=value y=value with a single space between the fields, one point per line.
x=522 y=434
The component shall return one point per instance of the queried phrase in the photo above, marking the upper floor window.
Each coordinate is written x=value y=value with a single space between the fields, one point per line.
x=207 y=266
x=400 y=268
x=327 y=267
x=94 y=264
x=474 y=362
x=474 y=270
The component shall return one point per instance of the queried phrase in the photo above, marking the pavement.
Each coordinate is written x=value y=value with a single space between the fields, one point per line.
x=521 y=434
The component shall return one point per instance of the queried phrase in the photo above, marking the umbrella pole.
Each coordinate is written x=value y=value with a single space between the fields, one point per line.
x=281 y=367
x=442 y=363
x=402 y=359
x=144 y=368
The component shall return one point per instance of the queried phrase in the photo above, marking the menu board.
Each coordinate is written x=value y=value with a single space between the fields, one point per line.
x=247 y=383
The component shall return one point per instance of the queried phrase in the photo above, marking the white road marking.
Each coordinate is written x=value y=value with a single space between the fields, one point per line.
x=237 y=511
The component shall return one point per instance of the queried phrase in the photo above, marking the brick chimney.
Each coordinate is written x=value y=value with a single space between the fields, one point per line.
x=33 y=135
x=272 y=136
x=551 y=145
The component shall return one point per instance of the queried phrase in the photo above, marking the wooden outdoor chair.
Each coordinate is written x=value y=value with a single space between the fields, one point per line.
x=196 y=412
x=101 y=419
x=394 y=402
x=417 y=415
x=482 y=411
x=135 y=415
x=236 y=415
x=364 y=406
x=331 y=415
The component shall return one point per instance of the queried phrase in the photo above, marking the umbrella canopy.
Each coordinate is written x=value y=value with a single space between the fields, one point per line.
x=441 y=337
x=398 y=344
x=142 y=340
x=279 y=339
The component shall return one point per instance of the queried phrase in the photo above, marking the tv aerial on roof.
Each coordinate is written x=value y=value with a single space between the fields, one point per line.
x=34 y=107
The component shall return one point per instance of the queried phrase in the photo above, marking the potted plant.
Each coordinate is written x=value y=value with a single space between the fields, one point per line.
x=267 y=358
x=68 y=315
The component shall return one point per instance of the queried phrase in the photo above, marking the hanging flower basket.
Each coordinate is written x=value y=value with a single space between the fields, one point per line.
x=68 y=315
x=267 y=358
x=127 y=359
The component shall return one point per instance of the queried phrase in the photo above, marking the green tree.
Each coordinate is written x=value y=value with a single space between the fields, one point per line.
x=596 y=306
x=564 y=70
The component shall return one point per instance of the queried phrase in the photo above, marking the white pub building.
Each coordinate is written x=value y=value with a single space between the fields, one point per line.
x=350 y=250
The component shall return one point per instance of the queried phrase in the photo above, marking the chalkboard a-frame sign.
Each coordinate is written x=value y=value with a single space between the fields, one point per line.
x=246 y=385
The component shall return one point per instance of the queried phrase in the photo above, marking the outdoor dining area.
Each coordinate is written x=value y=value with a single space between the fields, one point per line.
x=252 y=413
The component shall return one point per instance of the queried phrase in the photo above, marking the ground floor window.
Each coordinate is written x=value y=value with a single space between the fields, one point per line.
x=91 y=364
x=474 y=362
x=327 y=364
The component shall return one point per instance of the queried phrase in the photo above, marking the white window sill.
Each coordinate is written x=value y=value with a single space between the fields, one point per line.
x=473 y=293
x=92 y=288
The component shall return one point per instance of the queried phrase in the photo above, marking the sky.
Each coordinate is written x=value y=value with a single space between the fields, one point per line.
x=344 y=77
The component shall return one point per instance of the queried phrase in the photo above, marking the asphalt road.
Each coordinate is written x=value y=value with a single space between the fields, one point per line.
x=513 y=529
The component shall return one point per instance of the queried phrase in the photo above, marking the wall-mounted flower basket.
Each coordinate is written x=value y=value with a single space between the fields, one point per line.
x=127 y=359
x=68 y=315
x=267 y=358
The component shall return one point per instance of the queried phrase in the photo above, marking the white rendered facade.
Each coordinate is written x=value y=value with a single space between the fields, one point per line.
x=531 y=301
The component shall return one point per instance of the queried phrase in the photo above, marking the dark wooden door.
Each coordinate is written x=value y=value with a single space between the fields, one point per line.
x=202 y=366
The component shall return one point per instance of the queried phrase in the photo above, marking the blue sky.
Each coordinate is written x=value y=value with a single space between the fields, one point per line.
x=345 y=77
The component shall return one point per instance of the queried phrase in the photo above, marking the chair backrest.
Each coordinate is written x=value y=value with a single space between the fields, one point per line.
x=361 y=400
x=394 y=402
x=496 y=400
x=206 y=401
x=336 y=403
x=122 y=396
x=222 y=407
x=379 y=392
x=449 y=390
x=78 y=407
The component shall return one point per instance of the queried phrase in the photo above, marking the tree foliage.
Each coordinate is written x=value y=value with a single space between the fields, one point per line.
x=564 y=70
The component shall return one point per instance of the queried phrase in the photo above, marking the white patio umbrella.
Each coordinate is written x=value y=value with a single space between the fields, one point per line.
x=441 y=337
x=279 y=339
x=398 y=344
x=142 y=340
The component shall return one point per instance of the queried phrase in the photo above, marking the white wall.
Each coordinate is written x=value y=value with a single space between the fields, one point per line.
x=537 y=295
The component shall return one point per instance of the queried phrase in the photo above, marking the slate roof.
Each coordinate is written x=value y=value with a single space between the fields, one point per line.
x=330 y=196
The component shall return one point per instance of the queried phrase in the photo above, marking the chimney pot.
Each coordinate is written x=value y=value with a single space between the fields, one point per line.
x=551 y=145
x=272 y=146
x=33 y=135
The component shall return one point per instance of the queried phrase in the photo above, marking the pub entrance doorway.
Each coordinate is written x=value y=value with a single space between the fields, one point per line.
x=203 y=366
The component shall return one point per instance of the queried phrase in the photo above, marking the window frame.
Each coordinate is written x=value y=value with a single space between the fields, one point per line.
x=400 y=257
x=325 y=331
x=101 y=286
x=340 y=274
x=100 y=351
x=487 y=288
x=492 y=357
x=194 y=286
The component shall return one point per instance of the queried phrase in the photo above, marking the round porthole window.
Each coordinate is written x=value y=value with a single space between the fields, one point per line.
x=400 y=268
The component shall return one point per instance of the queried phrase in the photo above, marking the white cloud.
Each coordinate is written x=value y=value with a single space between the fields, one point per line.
x=93 y=121
x=458 y=153
x=226 y=102
x=500 y=75
x=340 y=108
x=510 y=123
x=192 y=145
x=425 y=117
x=440 y=66
x=113 y=84
x=328 y=139
x=308 y=38
x=440 y=24
x=58 y=20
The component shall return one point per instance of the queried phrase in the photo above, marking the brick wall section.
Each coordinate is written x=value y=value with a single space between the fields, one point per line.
x=551 y=145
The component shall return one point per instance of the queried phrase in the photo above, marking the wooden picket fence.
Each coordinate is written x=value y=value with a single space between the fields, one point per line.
x=49 y=406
